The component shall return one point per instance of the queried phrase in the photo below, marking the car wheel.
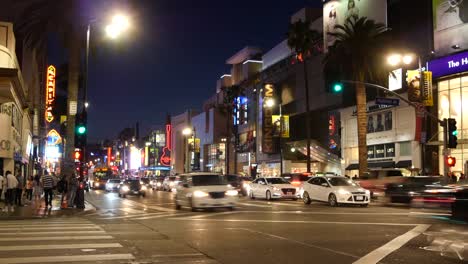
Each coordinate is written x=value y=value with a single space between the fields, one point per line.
x=251 y=195
x=306 y=198
x=332 y=200
x=268 y=195
x=144 y=195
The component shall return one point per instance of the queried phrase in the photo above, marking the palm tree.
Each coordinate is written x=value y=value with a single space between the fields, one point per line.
x=34 y=21
x=304 y=41
x=230 y=94
x=356 y=54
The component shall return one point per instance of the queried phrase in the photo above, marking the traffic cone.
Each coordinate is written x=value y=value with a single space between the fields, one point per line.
x=64 y=204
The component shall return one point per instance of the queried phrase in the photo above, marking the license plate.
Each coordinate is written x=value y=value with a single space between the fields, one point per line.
x=359 y=198
x=289 y=193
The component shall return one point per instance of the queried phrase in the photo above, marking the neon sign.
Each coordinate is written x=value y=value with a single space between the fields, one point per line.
x=166 y=156
x=50 y=93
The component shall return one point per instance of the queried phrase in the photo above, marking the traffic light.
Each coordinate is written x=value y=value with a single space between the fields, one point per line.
x=451 y=161
x=452 y=133
x=337 y=87
x=77 y=155
x=81 y=130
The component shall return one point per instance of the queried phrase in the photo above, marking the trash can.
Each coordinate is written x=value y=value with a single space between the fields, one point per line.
x=460 y=205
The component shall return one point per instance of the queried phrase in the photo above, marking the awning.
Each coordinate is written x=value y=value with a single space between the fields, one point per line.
x=382 y=164
x=353 y=166
x=404 y=164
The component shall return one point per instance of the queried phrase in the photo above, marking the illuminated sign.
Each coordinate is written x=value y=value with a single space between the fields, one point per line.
x=280 y=125
x=53 y=138
x=268 y=145
x=334 y=131
x=50 y=93
x=166 y=156
x=52 y=148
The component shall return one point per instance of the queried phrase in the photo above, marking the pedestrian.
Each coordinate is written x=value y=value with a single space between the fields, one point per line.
x=72 y=189
x=29 y=188
x=37 y=190
x=62 y=189
x=48 y=185
x=2 y=182
x=19 y=190
x=10 y=188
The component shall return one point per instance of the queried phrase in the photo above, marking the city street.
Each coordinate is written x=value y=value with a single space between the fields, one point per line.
x=150 y=230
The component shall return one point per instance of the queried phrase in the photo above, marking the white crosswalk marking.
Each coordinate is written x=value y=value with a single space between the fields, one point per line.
x=58 y=242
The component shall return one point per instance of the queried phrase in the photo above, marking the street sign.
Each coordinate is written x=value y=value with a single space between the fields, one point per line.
x=387 y=101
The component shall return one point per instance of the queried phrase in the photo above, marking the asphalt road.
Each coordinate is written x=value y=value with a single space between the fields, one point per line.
x=150 y=230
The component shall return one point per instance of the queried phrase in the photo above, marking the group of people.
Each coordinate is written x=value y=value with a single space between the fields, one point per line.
x=13 y=188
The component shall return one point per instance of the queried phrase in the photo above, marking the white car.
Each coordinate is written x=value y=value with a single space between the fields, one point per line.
x=273 y=188
x=204 y=190
x=335 y=190
x=112 y=185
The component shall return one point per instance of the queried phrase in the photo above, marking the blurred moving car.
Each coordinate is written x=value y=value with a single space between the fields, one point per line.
x=112 y=185
x=408 y=188
x=335 y=190
x=204 y=190
x=146 y=182
x=240 y=183
x=273 y=188
x=297 y=179
x=169 y=183
x=131 y=187
x=375 y=181
x=157 y=183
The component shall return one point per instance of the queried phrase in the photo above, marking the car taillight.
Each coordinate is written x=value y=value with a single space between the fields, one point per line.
x=297 y=183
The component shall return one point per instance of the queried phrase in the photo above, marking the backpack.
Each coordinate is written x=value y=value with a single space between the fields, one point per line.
x=61 y=186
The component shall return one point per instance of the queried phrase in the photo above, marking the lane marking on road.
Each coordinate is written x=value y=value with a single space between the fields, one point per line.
x=332 y=213
x=161 y=216
x=54 y=238
x=48 y=225
x=80 y=258
x=96 y=232
x=62 y=246
x=285 y=204
x=396 y=243
x=178 y=255
x=293 y=221
x=131 y=211
x=54 y=228
x=160 y=208
x=130 y=216
x=255 y=205
x=199 y=216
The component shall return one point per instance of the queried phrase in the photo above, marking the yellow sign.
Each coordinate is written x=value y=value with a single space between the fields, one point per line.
x=427 y=99
x=280 y=125
x=50 y=93
x=197 y=144
x=414 y=85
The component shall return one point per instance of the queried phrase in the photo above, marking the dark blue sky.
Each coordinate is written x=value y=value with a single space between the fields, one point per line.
x=174 y=55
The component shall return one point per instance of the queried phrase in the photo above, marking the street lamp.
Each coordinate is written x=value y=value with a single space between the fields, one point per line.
x=270 y=103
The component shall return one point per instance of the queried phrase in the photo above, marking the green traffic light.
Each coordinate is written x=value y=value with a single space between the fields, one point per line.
x=337 y=88
x=455 y=133
x=81 y=130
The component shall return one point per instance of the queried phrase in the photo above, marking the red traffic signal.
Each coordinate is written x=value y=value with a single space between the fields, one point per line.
x=77 y=155
x=451 y=161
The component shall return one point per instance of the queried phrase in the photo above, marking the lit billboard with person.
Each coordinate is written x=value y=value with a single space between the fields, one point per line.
x=450 y=25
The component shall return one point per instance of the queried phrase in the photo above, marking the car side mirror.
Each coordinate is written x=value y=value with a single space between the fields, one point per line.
x=324 y=184
x=185 y=185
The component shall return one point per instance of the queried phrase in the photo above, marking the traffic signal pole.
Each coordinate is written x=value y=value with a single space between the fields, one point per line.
x=443 y=123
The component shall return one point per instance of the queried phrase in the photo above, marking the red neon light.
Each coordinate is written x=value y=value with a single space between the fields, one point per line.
x=109 y=155
x=166 y=156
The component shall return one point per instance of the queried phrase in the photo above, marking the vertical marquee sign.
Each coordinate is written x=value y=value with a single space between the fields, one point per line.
x=50 y=93
x=267 y=126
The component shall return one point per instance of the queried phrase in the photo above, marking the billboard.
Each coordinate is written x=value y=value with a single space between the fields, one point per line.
x=336 y=12
x=450 y=25
x=280 y=125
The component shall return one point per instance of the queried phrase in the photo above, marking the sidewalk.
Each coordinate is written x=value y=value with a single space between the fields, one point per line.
x=30 y=211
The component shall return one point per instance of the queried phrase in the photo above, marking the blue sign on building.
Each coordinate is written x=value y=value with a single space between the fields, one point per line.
x=449 y=65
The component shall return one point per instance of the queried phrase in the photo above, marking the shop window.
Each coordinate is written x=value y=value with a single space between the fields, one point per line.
x=442 y=86
x=405 y=149
x=380 y=122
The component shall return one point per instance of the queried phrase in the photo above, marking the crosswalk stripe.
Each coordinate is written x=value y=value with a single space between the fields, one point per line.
x=48 y=225
x=62 y=246
x=53 y=228
x=132 y=211
x=54 y=238
x=130 y=216
x=161 y=216
x=208 y=215
x=96 y=232
x=81 y=258
x=255 y=205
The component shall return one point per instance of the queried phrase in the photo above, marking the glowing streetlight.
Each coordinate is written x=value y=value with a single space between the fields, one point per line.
x=270 y=102
x=187 y=131
x=394 y=59
x=407 y=59
x=118 y=25
x=293 y=150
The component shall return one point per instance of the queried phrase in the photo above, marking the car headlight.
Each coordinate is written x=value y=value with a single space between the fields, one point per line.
x=276 y=188
x=125 y=189
x=344 y=192
x=158 y=184
x=97 y=184
x=200 y=194
x=143 y=188
x=367 y=192
x=232 y=193
x=171 y=184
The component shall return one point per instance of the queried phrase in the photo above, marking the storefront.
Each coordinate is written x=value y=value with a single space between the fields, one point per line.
x=450 y=75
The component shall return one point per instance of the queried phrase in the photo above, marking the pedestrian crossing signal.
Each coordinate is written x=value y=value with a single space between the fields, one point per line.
x=451 y=161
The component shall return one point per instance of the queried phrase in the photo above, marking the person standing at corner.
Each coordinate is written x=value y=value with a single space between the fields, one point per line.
x=72 y=188
x=48 y=184
x=29 y=188
x=10 y=188
x=37 y=189
x=19 y=190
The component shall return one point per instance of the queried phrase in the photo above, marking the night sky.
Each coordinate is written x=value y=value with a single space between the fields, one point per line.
x=172 y=58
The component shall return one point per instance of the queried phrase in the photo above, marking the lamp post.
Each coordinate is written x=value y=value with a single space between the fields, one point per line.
x=270 y=103
x=186 y=132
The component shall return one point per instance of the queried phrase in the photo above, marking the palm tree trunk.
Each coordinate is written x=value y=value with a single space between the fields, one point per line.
x=361 y=108
x=73 y=85
x=306 y=85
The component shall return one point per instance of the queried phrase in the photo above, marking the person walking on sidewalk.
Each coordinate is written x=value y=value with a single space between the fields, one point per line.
x=62 y=188
x=19 y=190
x=37 y=190
x=48 y=184
x=29 y=188
x=72 y=189
x=2 y=182
x=10 y=188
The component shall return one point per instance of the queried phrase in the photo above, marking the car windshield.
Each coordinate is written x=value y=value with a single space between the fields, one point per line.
x=300 y=178
x=206 y=180
x=277 y=181
x=133 y=183
x=338 y=181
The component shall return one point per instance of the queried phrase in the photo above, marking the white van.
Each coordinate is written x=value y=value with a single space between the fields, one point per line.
x=204 y=190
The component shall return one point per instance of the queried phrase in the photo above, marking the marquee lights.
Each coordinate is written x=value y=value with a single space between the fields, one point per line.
x=50 y=93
